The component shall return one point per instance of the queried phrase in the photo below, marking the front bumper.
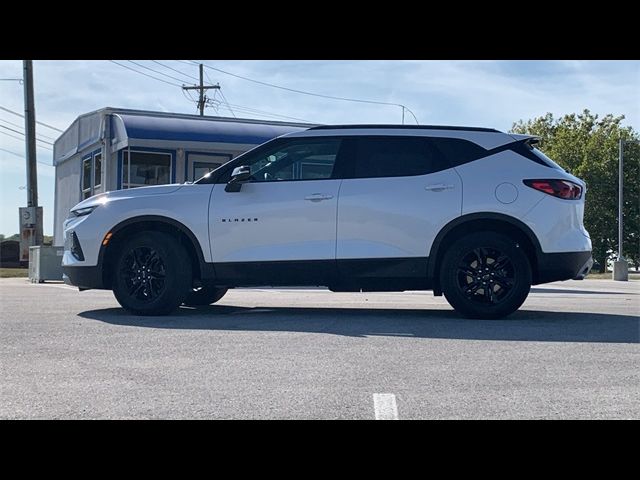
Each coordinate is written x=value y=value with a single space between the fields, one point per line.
x=553 y=267
x=83 y=277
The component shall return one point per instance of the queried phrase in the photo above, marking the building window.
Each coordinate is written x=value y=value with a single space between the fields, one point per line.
x=203 y=163
x=86 y=178
x=91 y=170
x=145 y=168
x=97 y=171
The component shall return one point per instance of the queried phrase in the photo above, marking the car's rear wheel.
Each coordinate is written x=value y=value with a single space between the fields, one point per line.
x=204 y=295
x=485 y=275
x=152 y=274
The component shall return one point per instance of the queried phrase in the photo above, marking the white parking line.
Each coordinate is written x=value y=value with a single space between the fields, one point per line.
x=385 y=406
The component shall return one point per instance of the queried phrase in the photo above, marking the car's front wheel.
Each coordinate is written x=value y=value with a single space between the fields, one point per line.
x=485 y=275
x=152 y=274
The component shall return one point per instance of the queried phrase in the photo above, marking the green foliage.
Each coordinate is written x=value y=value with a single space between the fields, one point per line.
x=47 y=239
x=587 y=147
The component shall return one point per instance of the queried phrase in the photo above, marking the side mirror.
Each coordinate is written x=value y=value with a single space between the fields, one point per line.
x=238 y=177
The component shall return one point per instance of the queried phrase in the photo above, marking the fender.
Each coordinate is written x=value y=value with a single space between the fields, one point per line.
x=471 y=217
x=206 y=269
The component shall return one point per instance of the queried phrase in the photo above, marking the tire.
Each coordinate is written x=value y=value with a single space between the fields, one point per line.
x=485 y=259
x=205 y=295
x=152 y=274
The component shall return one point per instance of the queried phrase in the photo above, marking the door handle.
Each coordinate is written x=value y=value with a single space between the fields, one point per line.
x=318 y=197
x=438 y=187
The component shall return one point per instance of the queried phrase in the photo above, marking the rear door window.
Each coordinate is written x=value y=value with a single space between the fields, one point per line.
x=395 y=157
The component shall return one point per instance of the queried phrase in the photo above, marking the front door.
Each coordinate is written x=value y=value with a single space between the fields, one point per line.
x=280 y=228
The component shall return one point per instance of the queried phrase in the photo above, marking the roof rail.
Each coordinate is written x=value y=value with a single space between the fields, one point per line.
x=406 y=127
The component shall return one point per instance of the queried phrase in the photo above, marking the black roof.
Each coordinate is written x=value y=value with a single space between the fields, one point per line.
x=406 y=127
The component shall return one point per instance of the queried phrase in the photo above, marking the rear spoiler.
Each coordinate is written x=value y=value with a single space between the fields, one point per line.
x=526 y=139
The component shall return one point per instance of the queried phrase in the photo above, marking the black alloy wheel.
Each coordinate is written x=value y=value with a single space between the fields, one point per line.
x=143 y=272
x=152 y=274
x=485 y=275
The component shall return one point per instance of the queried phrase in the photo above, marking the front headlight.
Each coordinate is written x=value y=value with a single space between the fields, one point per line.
x=81 y=212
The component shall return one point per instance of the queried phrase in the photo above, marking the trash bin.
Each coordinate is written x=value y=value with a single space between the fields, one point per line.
x=45 y=263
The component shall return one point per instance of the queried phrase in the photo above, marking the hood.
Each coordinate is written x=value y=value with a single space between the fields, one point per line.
x=103 y=198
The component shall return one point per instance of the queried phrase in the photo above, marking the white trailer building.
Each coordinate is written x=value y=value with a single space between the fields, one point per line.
x=115 y=148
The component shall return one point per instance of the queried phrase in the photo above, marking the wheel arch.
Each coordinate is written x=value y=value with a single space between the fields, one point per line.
x=158 y=223
x=481 y=221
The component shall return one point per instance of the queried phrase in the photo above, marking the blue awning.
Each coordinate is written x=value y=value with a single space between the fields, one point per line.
x=197 y=130
x=176 y=129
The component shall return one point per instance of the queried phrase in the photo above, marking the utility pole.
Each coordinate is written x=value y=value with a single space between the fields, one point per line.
x=31 y=216
x=30 y=135
x=202 y=90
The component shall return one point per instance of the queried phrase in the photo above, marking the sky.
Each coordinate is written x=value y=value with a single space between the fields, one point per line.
x=472 y=93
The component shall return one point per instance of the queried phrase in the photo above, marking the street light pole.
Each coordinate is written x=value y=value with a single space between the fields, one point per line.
x=621 y=266
x=620 y=195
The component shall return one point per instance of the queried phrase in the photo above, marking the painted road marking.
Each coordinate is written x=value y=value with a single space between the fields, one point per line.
x=385 y=406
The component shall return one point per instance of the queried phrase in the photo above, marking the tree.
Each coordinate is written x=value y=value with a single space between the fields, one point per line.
x=588 y=148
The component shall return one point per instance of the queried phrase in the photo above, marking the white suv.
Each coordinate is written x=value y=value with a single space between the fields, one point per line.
x=473 y=213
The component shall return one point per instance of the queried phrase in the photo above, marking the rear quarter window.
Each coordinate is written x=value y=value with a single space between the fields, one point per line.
x=457 y=151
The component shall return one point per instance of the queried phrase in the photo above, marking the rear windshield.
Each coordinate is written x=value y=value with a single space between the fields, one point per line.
x=527 y=150
x=543 y=158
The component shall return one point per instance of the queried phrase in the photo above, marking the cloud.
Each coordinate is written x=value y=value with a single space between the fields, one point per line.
x=481 y=93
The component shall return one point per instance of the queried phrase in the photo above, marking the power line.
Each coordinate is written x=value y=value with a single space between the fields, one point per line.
x=302 y=92
x=22 y=156
x=225 y=101
x=241 y=108
x=21 y=133
x=176 y=70
x=187 y=62
x=12 y=153
x=155 y=71
x=221 y=94
x=39 y=123
x=261 y=113
x=145 y=74
x=20 y=126
x=269 y=113
x=22 y=140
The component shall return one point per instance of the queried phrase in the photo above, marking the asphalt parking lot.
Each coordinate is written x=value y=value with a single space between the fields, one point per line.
x=572 y=351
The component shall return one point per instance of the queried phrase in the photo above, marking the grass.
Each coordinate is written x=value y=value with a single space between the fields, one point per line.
x=14 y=272
x=609 y=276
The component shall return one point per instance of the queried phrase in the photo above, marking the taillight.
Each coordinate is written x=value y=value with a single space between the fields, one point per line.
x=558 y=188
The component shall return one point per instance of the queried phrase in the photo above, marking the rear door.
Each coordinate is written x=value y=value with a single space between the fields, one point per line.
x=397 y=194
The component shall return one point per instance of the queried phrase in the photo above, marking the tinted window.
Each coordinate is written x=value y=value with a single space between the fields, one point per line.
x=533 y=154
x=396 y=157
x=458 y=151
x=544 y=159
x=295 y=159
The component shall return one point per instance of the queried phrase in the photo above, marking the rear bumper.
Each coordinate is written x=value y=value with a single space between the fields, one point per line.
x=553 y=267
x=83 y=277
